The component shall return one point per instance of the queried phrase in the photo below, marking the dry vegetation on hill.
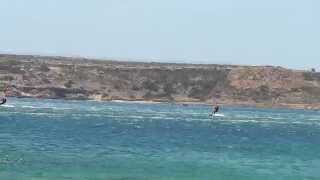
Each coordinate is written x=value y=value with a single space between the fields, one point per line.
x=75 y=78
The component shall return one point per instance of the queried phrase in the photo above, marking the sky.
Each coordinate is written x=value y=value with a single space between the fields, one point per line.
x=251 y=32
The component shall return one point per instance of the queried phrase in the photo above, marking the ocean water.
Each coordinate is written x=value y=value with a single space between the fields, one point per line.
x=86 y=140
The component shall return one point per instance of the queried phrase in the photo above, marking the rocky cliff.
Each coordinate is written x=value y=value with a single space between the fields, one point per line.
x=79 y=78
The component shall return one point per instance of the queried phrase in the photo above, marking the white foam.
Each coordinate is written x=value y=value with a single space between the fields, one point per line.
x=47 y=107
x=32 y=107
x=7 y=105
x=218 y=115
x=61 y=108
x=136 y=102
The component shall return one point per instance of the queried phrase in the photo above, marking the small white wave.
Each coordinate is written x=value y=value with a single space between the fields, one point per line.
x=137 y=126
x=31 y=107
x=46 y=107
x=7 y=105
x=162 y=118
x=99 y=124
x=218 y=115
x=58 y=108
x=43 y=114
x=136 y=117
x=136 y=102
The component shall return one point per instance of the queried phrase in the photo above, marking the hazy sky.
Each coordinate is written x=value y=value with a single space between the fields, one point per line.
x=273 y=32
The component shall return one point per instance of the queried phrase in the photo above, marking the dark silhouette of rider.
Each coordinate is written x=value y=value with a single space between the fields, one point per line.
x=216 y=109
x=4 y=100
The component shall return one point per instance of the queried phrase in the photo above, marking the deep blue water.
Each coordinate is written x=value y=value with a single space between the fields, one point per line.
x=56 y=139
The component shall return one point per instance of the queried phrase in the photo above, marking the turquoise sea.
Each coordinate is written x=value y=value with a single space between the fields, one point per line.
x=86 y=140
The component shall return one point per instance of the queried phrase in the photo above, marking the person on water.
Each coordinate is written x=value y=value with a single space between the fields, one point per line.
x=4 y=100
x=215 y=109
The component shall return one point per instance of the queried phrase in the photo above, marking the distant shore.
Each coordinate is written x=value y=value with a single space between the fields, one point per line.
x=105 y=80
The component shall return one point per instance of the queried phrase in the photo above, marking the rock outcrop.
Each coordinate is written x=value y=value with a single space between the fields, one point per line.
x=79 y=78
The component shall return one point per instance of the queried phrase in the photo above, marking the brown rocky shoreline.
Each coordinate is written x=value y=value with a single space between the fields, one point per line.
x=89 y=79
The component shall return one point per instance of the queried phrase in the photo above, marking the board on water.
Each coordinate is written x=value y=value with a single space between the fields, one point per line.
x=216 y=115
x=219 y=115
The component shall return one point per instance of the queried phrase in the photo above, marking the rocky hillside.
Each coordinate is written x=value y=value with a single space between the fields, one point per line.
x=78 y=78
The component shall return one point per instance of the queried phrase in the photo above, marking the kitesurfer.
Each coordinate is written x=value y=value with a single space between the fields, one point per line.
x=3 y=100
x=215 y=109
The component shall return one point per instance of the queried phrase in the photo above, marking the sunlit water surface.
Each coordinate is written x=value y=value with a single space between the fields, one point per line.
x=56 y=139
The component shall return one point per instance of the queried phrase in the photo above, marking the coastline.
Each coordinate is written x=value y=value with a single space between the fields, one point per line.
x=89 y=79
x=315 y=107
